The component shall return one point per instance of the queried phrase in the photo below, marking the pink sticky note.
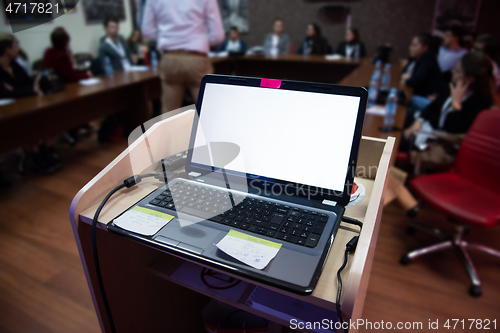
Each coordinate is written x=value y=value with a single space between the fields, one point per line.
x=269 y=83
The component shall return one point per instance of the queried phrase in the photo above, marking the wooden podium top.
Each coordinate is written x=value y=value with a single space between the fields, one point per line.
x=171 y=135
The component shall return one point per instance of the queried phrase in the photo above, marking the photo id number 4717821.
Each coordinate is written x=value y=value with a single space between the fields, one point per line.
x=32 y=8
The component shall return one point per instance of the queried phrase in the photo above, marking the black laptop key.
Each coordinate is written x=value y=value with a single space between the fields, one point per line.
x=307 y=229
x=244 y=226
x=154 y=202
x=277 y=218
x=290 y=238
x=252 y=228
x=162 y=204
x=309 y=223
x=235 y=224
x=170 y=205
x=304 y=235
x=262 y=231
x=280 y=210
x=293 y=232
x=270 y=233
x=297 y=226
x=323 y=219
x=312 y=240
x=301 y=241
x=318 y=227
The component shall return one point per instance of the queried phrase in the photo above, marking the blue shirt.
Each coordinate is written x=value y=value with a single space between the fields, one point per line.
x=448 y=59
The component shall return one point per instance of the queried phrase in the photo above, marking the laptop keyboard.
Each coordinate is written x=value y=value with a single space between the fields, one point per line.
x=291 y=224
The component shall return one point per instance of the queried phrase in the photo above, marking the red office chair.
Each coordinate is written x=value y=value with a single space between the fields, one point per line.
x=468 y=194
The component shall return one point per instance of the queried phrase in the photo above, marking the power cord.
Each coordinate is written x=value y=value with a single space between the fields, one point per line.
x=350 y=247
x=129 y=182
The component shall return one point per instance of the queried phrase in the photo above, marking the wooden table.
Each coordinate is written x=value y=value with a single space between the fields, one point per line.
x=28 y=119
x=31 y=118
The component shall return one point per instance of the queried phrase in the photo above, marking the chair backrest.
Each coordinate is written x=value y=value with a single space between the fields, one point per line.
x=479 y=157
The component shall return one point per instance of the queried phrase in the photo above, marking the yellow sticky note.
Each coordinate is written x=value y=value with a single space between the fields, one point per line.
x=257 y=240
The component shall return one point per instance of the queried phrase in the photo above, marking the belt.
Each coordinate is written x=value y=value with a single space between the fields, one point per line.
x=184 y=52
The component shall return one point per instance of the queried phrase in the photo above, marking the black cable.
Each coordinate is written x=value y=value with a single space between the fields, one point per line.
x=350 y=220
x=96 y=258
x=349 y=248
x=129 y=182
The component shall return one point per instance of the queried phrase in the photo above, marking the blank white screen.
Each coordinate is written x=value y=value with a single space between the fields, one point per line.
x=299 y=137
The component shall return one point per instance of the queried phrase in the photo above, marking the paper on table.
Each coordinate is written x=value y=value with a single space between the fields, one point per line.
x=138 y=68
x=90 y=81
x=333 y=57
x=143 y=221
x=253 y=251
x=378 y=110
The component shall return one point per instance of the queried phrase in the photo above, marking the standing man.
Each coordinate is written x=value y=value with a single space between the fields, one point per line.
x=184 y=31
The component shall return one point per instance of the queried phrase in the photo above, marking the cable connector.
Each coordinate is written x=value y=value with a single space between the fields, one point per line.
x=351 y=245
x=131 y=181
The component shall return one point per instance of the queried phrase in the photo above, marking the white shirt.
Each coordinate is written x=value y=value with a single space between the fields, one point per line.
x=191 y=25
x=118 y=47
x=233 y=46
x=274 y=45
x=349 y=50
x=448 y=59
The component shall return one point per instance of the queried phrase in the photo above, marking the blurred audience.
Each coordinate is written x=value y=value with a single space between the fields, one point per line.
x=351 y=42
x=137 y=47
x=184 y=45
x=114 y=47
x=23 y=60
x=450 y=51
x=488 y=44
x=14 y=81
x=233 y=45
x=314 y=43
x=58 y=57
x=421 y=74
x=471 y=91
x=277 y=42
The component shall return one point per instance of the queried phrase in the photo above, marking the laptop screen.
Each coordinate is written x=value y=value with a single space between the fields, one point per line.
x=294 y=136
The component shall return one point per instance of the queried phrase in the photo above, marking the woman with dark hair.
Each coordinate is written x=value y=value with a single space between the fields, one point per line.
x=58 y=57
x=471 y=91
x=137 y=47
x=348 y=46
x=314 y=41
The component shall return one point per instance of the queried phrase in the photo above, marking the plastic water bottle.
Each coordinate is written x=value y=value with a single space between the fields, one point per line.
x=306 y=50
x=108 y=68
x=373 y=91
x=377 y=70
x=386 y=78
x=390 y=108
x=154 y=61
x=356 y=53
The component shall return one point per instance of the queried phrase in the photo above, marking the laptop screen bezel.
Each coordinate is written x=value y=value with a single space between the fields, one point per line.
x=341 y=198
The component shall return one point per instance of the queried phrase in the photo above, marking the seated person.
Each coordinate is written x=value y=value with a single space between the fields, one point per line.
x=58 y=57
x=348 y=47
x=471 y=91
x=314 y=42
x=137 y=47
x=277 y=42
x=450 y=51
x=234 y=44
x=114 y=47
x=488 y=45
x=421 y=74
x=14 y=81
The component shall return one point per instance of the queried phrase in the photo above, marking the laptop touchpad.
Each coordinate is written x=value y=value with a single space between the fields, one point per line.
x=199 y=236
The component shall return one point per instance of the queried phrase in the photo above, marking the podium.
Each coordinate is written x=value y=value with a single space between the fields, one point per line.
x=150 y=290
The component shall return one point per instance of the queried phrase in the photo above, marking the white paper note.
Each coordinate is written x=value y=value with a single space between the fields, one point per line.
x=143 y=221
x=378 y=110
x=90 y=81
x=253 y=251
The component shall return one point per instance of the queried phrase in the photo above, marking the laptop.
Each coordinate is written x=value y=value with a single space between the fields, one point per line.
x=272 y=159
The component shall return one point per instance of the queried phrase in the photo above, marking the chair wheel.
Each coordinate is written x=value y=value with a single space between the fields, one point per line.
x=405 y=260
x=475 y=291
x=411 y=230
